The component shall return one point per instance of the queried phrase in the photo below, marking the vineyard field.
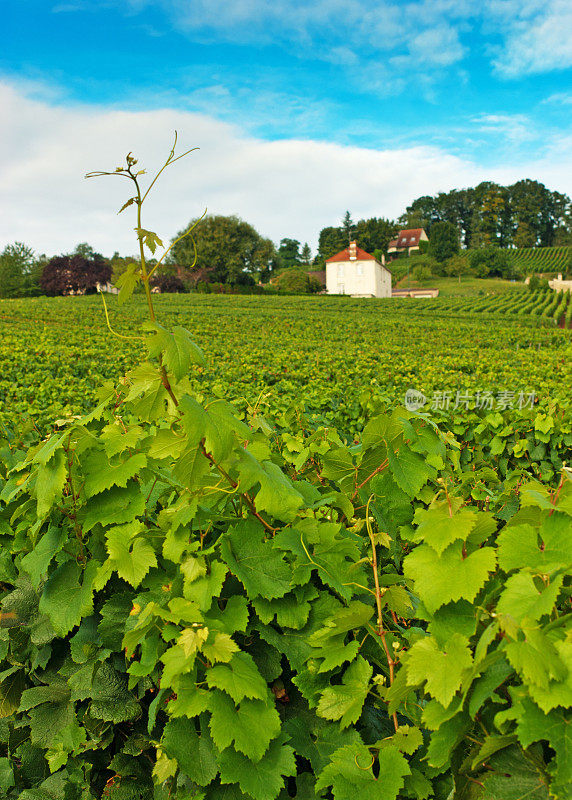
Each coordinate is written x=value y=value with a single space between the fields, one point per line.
x=351 y=580
x=531 y=260
x=326 y=354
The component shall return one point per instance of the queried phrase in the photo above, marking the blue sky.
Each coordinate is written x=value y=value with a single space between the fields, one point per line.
x=435 y=93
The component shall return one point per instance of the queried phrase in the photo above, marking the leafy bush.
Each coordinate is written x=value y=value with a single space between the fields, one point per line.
x=168 y=283
x=422 y=273
x=296 y=281
x=489 y=261
x=537 y=283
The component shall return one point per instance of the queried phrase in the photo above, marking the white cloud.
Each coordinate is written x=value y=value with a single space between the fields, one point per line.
x=516 y=128
x=288 y=187
x=538 y=39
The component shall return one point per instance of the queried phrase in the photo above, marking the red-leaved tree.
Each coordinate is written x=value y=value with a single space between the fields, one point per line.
x=74 y=274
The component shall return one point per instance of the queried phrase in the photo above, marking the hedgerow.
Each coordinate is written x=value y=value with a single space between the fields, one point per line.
x=197 y=607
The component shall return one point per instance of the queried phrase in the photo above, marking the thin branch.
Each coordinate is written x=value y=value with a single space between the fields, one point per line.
x=177 y=240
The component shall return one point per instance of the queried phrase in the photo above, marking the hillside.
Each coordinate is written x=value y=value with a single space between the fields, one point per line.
x=533 y=260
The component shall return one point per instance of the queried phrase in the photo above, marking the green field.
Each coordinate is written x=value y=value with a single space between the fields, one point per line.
x=326 y=354
x=313 y=591
x=547 y=260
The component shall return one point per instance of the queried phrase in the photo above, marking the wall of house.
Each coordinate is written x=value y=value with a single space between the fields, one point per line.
x=361 y=278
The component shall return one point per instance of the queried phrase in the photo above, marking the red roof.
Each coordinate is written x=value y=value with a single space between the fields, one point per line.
x=408 y=238
x=344 y=255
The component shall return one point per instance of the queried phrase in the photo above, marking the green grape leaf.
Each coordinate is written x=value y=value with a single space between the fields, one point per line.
x=149 y=238
x=442 y=669
x=409 y=470
x=177 y=349
x=533 y=725
x=439 y=579
x=111 y=701
x=277 y=496
x=255 y=562
x=36 y=562
x=251 y=726
x=222 y=648
x=521 y=598
x=147 y=393
x=113 y=507
x=511 y=776
x=130 y=557
x=263 y=779
x=439 y=528
x=196 y=755
x=101 y=475
x=345 y=701
x=350 y=775
x=239 y=678
x=50 y=481
x=64 y=599
x=128 y=280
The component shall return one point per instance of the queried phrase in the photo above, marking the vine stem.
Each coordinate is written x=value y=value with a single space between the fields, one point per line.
x=247 y=498
x=380 y=628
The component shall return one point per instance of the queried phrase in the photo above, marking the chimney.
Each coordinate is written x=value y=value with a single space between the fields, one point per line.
x=353 y=251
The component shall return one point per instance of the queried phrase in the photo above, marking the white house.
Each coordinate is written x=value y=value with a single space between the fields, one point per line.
x=355 y=272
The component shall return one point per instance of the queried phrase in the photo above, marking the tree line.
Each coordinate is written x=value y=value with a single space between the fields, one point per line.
x=227 y=251
x=525 y=214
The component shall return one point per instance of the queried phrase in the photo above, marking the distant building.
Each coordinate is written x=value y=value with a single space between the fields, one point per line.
x=407 y=241
x=415 y=293
x=558 y=284
x=357 y=273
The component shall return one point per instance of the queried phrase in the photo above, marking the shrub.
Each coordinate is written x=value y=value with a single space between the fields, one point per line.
x=422 y=273
x=168 y=283
x=489 y=261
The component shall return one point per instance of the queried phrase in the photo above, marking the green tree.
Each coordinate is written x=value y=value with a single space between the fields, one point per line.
x=85 y=250
x=330 y=242
x=375 y=233
x=289 y=253
x=306 y=254
x=444 y=241
x=348 y=227
x=16 y=269
x=457 y=266
x=228 y=250
x=491 y=262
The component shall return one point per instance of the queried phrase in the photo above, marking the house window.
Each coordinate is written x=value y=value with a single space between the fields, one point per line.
x=340 y=270
x=404 y=240
x=341 y=288
x=359 y=269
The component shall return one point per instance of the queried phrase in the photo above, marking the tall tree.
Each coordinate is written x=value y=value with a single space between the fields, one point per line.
x=228 y=249
x=348 y=227
x=306 y=254
x=289 y=253
x=444 y=241
x=16 y=270
x=330 y=242
x=375 y=233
